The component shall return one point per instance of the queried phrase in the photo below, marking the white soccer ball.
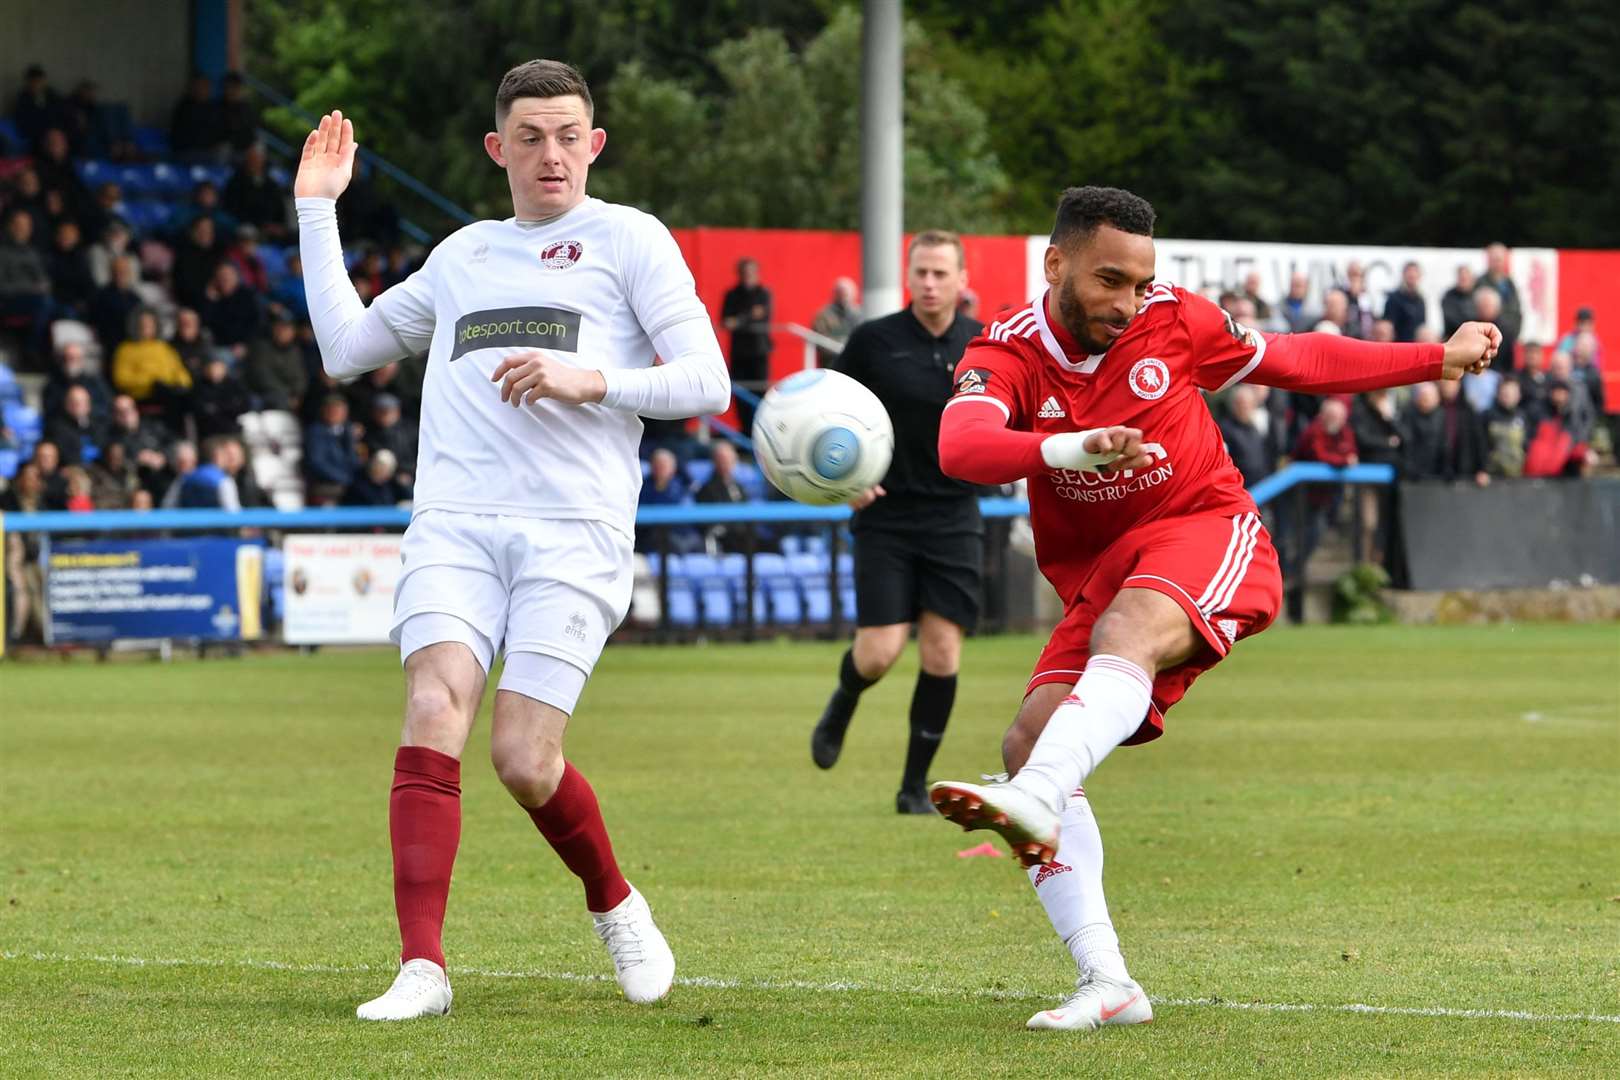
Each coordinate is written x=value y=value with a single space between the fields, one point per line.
x=822 y=438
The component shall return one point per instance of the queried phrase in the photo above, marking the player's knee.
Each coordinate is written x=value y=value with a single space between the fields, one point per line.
x=434 y=718
x=531 y=775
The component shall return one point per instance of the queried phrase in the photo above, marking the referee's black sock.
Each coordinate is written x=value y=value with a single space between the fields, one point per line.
x=931 y=705
x=827 y=741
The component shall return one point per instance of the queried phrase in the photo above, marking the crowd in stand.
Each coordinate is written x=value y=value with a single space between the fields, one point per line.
x=166 y=331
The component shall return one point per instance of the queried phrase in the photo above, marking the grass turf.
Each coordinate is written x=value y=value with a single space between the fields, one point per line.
x=1404 y=818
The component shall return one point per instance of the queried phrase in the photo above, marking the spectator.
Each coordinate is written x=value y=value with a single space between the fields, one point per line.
x=1251 y=293
x=244 y=255
x=746 y=312
x=722 y=486
x=37 y=107
x=1510 y=315
x=967 y=304
x=209 y=486
x=28 y=196
x=25 y=287
x=54 y=164
x=72 y=283
x=148 y=369
x=1580 y=411
x=378 y=484
x=1360 y=304
x=276 y=371
x=253 y=198
x=1336 y=312
x=841 y=315
x=399 y=266
x=73 y=370
x=1507 y=431
x=1296 y=318
x=362 y=393
x=1558 y=445
x=106 y=210
x=1457 y=304
x=25 y=585
x=1533 y=379
x=1442 y=439
x=389 y=431
x=1585 y=323
x=48 y=460
x=1249 y=446
x=230 y=311
x=182 y=463
x=195 y=262
x=76 y=487
x=238 y=119
x=96 y=130
x=1329 y=440
x=1405 y=307
x=1383 y=331
x=287 y=293
x=248 y=491
x=666 y=487
x=217 y=399
x=193 y=341
x=113 y=482
x=75 y=430
x=330 y=460
x=1586 y=366
x=1379 y=441
x=194 y=125
x=112 y=305
x=142 y=441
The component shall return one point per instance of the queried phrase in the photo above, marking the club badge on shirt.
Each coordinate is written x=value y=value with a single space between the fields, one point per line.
x=562 y=254
x=1149 y=378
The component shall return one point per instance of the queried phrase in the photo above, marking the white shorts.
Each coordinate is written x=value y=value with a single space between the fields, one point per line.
x=552 y=586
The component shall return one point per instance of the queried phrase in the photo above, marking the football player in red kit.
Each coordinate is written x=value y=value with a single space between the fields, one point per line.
x=1141 y=523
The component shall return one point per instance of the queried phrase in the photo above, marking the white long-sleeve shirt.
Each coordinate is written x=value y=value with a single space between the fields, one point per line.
x=603 y=286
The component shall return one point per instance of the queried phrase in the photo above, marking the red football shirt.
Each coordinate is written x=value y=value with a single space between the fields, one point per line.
x=1028 y=375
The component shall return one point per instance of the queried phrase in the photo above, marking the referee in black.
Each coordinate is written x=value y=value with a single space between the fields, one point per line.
x=919 y=540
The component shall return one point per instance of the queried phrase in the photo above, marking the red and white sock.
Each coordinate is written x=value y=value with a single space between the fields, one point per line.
x=571 y=822
x=1071 y=891
x=1107 y=706
x=424 y=827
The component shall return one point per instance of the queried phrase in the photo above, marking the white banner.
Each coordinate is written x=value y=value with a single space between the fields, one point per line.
x=339 y=589
x=1225 y=264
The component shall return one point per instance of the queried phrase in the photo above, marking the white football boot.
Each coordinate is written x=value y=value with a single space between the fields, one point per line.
x=420 y=989
x=642 y=961
x=1097 y=1000
x=1029 y=826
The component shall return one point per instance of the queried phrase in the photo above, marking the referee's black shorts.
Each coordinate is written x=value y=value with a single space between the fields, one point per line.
x=898 y=575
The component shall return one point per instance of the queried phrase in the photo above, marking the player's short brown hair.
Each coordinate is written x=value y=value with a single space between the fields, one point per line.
x=938 y=238
x=541 y=79
x=1082 y=209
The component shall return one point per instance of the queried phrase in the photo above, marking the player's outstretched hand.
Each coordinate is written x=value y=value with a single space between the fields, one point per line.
x=327 y=163
x=1103 y=449
x=526 y=377
x=1471 y=349
x=867 y=497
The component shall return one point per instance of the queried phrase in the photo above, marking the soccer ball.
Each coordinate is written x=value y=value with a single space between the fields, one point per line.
x=822 y=438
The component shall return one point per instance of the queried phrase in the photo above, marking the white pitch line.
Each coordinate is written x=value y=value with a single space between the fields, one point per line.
x=711 y=983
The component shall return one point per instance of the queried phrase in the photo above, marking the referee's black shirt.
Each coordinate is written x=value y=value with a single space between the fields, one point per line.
x=913 y=373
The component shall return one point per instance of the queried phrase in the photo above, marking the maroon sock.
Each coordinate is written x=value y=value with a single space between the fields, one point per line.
x=424 y=824
x=572 y=824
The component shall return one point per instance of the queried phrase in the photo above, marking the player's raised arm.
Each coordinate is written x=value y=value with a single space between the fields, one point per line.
x=352 y=339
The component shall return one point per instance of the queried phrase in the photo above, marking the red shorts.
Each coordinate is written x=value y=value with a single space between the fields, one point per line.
x=1222 y=571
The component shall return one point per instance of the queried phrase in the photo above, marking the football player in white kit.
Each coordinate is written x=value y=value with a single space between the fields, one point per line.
x=541 y=332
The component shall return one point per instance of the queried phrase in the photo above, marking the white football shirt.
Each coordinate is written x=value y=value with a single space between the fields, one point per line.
x=592 y=288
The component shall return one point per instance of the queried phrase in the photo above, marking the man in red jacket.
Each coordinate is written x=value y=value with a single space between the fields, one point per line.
x=1142 y=524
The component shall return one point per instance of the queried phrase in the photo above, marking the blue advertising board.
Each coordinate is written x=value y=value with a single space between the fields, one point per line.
x=104 y=590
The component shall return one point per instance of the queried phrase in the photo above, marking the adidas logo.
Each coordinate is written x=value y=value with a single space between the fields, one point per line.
x=1051 y=410
x=1050 y=870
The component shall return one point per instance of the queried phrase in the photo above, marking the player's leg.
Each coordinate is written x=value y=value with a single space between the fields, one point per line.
x=885 y=606
x=570 y=588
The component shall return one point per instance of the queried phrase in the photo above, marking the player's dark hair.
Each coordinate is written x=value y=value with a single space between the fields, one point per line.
x=1081 y=210
x=541 y=79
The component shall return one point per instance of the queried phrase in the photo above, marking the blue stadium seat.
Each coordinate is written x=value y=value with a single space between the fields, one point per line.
x=169 y=179
x=25 y=423
x=94 y=172
x=698 y=471
x=752 y=481
x=793 y=544
x=9 y=462
x=152 y=141
x=810 y=574
x=138 y=180
x=11 y=140
x=275 y=262
x=816 y=543
x=708 y=577
x=776 y=593
x=149 y=215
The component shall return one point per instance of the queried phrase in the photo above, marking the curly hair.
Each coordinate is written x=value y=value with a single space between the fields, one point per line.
x=1081 y=210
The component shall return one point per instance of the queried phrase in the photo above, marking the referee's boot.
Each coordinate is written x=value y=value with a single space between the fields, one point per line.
x=827 y=740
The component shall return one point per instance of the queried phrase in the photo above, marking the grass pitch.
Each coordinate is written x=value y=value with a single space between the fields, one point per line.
x=194 y=872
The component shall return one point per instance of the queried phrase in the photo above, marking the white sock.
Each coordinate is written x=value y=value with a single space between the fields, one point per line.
x=1071 y=891
x=1107 y=706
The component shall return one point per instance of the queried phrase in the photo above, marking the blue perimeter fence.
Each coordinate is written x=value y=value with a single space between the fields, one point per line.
x=658 y=519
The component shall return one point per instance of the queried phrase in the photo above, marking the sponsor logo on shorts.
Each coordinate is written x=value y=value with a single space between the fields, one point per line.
x=1049 y=871
x=523 y=327
x=1149 y=378
x=561 y=255
x=576 y=627
x=973 y=381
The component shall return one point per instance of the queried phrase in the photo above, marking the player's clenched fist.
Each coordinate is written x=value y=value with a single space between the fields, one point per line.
x=1471 y=349
x=527 y=377
x=327 y=162
x=1097 y=450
